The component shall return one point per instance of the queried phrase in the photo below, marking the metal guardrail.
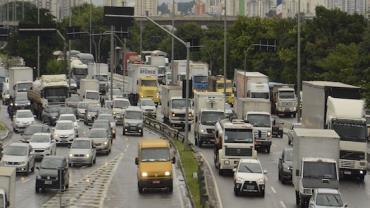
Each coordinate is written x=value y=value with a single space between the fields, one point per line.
x=171 y=134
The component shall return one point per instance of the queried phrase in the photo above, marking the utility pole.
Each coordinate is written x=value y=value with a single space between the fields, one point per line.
x=141 y=27
x=111 y=60
x=173 y=43
x=38 y=40
x=299 y=63
x=90 y=41
x=69 y=47
x=225 y=48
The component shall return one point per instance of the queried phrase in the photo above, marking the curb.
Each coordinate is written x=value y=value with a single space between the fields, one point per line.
x=7 y=134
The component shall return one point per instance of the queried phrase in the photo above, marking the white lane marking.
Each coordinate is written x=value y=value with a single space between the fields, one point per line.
x=25 y=180
x=282 y=204
x=178 y=190
x=214 y=179
x=273 y=190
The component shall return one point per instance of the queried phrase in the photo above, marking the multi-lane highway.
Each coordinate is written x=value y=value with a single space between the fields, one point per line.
x=119 y=187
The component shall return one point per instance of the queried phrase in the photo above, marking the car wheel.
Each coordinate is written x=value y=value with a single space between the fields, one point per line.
x=236 y=192
x=37 y=189
x=140 y=188
x=94 y=161
x=142 y=133
x=33 y=168
x=263 y=193
x=28 y=169
x=279 y=176
x=70 y=164
x=170 y=189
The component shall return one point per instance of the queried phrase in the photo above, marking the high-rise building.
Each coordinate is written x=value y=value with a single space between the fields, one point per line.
x=259 y=8
x=214 y=7
x=143 y=7
x=115 y=3
x=199 y=8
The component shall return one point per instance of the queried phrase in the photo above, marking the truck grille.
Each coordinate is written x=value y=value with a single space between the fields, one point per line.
x=182 y=115
x=79 y=155
x=238 y=151
x=263 y=134
x=210 y=131
x=351 y=155
x=347 y=164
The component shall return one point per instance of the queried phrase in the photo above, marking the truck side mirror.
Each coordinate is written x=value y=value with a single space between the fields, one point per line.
x=136 y=161
x=174 y=160
x=297 y=172
x=259 y=134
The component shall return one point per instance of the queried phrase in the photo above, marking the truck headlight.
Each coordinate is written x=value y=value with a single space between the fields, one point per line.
x=269 y=133
x=144 y=174
x=167 y=173
x=261 y=181
x=227 y=162
x=70 y=155
x=87 y=155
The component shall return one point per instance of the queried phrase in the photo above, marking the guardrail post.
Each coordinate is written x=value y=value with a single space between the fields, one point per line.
x=202 y=185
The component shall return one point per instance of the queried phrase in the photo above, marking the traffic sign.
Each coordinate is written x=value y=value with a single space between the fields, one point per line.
x=119 y=22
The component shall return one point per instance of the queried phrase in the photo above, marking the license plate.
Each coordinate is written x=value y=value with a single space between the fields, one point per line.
x=156 y=182
x=258 y=142
x=250 y=187
x=347 y=172
x=48 y=182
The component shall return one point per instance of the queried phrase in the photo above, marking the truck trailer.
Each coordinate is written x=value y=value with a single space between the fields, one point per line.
x=7 y=187
x=20 y=80
x=251 y=84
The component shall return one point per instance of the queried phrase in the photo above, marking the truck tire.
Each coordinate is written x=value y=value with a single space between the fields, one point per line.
x=140 y=188
x=220 y=172
x=268 y=149
x=297 y=198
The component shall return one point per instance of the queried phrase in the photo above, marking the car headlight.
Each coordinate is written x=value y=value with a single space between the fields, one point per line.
x=23 y=163
x=16 y=104
x=38 y=177
x=190 y=114
x=167 y=173
x=87 y=155
x=239 y=179
x=56 y=135
x=144 y=174
x=105 y=143
x=202 y=130
x=70 y=155
x=261 y=181
x=286 y=167
x=269 y=133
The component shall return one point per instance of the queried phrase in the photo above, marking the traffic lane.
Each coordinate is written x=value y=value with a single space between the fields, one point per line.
x=123 y=189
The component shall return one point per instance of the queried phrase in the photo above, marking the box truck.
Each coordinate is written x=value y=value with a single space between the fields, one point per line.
x=20 y=80
x=7 y=187
x=251 y=84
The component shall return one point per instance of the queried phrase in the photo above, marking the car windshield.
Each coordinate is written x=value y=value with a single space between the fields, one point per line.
x=105 y=117
x=117 y=92
x=40 y=138
x=67 y=118
x=249 y=168
x=210 y=118
x=98 y=134
x=32 y=129
x=64 y=126
x=52 y=109
x=93 y=108
x=259 y=120
x=149 y=83
x=147 y=103
x=155 y=154
x=21 y=97
x=238 y=136
x=320 y=170
x=24 y=114
x=121 y=103
x=81 y=144
x=16 y=150
x=66 y=111
x=92 y=95
x=286 y=94
x=134 y=115
x=82 y=105
x=100 y=125
x=328 y=199
x=51 y=163
x=79 y=71
x=179 y=103
x=288 y=155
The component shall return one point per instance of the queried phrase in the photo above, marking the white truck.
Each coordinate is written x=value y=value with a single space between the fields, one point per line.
x=283 y=99
x=7 y=187
x=174 y=106
x=330 y=110
x=79 y=70
x=89 y=90
x=251 y=84
x=99 y=71
x=179 y=70
x=315 y=156
x=257 y=112
x=208 y=109
x=20 y=80
x=234 y=141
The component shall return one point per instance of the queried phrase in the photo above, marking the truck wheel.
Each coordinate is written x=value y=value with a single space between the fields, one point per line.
x=220 y=172
x=297 y=201
x=361 y=178
x=262 y=193
x=140 y=188
x=170 y=189
x=268 y=149
x=37 y=189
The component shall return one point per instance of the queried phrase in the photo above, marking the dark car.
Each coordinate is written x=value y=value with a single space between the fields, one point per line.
x=91 y=113
x=53 y=174
x=66 y=110
x=50 y=115
x=35 y=128
x=21 y=101
x=277 y=128
x=285 y=165
x=105 y=124
x=73 y=101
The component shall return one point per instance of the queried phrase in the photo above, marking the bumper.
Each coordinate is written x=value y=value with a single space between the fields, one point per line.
x=247 y=187
x=352 y=172
x=102 y=148
x=156 y=183
x=262 y=143
x=67 y=140
x=133 y=129
x=286 y=176
x=48 y=184
x=229 y=164
x=19 y=168
x=207 y=138
x=80 y=160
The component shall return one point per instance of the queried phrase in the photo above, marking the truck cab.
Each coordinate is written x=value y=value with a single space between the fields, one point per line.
x=199 y=83
x=262 y=126
x=234 y=141
x=216 y=84
x=22 y=86
x=205 y=126
x=177 y=109
x=285 y=101
x=79 y=70
x=258 y=90
x=154 y=165
x=148 y=88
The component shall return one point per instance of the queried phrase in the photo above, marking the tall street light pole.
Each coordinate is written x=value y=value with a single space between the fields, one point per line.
x=38 y=40
x=90 y=31
x=299 y=62
x=141 y=26
x=173 y=43
x=69 y=47
x=225 y=47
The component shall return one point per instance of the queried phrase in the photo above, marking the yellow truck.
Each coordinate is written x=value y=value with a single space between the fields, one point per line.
x=216 y=84
x=154 y=165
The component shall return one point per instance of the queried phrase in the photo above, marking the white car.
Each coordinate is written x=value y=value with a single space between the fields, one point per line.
x=82 y=152
x=119 y=105
x=148 y=106
x=249 y=177
x=64 y=132
x=69 y=117
x=22 y=119
x=18 y=156
x=323 y=198
x=42 y=144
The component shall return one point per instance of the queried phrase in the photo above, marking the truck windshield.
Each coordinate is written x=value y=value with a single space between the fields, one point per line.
x=259 y=120
x=24 y=87
x=155 y=154
x=320 y=170
x=200 y=79
x=263 y=95
x=210 y=118
x=79 y=71
x=329 y=200
x=238 y=136
x=56 y=94
x=286 y=94
x=351 y=132
x=179 y=103
x=133 y=115
x=92 y=95
x=21 y=97
x=149 y=83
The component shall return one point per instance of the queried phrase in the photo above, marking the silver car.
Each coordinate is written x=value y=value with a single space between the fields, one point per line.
x=101 y=140
x=324 y=197
x=22 y=119
x=82 y=152
x=18 y=155
x=111 y=120
x=42 y=145
x=81 y=108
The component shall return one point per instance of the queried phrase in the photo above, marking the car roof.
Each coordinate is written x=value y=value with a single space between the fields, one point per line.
x=133 y=108
x=82 y=139
x=55 y=157
x=153 y=143
x=67 y=114
x=19 y=144
x=327 y=190
x=41 y=134
x=99 y=129
x=64 y=121
x=249 y=160
x=24 y=111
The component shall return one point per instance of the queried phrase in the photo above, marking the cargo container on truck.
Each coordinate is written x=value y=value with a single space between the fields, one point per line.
x=89 y=90
x=257 y=112
x=199 y=76
x=99 y=71
x=179 y=70
x=174 y=106
x=315 y=156
x=143 y=82
x=251 y=84
x=7 y=187
x=283 y=100
x=20 y=80
x=79 y=70
x=208 y=109
x=338 y=106
x=216 y=84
